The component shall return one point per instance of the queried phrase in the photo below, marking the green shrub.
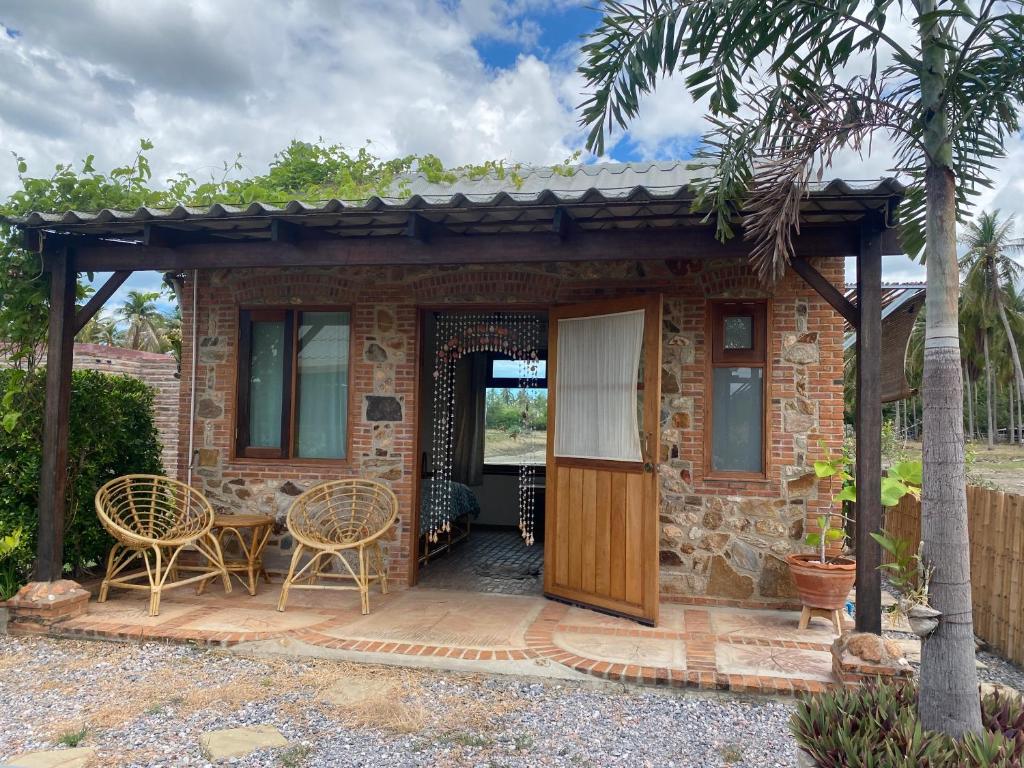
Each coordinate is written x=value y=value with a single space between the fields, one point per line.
x=877 y=727
x=111 y=433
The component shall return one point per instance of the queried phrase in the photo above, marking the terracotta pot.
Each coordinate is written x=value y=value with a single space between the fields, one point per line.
x=822 y=585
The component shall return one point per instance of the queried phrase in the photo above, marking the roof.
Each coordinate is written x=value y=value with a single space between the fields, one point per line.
x=594 y=196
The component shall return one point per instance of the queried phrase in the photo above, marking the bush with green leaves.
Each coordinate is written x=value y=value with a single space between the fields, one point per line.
x=877 y=726
x=111 y=433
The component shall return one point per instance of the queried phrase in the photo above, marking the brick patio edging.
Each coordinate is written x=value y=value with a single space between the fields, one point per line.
x=701 y=672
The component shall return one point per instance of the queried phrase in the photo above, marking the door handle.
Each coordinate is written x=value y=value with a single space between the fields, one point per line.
x=645 y=452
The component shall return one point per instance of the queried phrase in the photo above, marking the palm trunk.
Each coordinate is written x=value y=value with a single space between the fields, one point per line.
x=969 y=398
x=1018 y=373
x=949 y=681
x=1020 y=415
x=990 y=410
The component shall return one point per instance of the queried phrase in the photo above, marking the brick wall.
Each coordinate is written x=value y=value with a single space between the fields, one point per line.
x=159 y=372
x=722 y=539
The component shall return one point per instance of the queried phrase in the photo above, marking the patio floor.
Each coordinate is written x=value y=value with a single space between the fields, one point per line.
x=703 y=647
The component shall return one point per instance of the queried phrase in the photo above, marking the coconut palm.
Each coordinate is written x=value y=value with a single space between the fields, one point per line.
x=991 y=273
x=101 y=329
x=791 y=83
x=144 y=323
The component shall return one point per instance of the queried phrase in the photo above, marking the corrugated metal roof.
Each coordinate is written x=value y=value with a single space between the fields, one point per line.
x=597 y=196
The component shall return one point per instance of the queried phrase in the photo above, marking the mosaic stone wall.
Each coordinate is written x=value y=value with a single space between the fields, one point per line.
x=720 y=539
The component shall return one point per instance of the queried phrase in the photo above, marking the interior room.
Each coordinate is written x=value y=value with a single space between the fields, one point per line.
x=483 y=437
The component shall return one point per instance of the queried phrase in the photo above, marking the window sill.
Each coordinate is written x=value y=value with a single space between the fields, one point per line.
x=746 y=477
x=284 y=463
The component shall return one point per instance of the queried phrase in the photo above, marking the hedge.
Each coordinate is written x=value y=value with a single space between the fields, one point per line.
x=112 y=433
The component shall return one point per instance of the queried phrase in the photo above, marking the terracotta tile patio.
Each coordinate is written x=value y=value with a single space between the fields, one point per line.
x=703 y=647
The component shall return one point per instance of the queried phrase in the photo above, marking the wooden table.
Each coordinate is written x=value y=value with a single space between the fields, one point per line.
x=249 y=567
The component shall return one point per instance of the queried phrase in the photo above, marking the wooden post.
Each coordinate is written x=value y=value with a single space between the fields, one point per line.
x=869 y=428
x=53 y=480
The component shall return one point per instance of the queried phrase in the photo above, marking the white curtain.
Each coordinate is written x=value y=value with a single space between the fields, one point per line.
x=596 y=386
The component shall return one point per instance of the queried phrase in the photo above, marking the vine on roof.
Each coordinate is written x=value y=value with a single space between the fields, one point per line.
x=305 y=171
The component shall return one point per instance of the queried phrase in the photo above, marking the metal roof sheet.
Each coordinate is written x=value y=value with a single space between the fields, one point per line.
x=599 y=195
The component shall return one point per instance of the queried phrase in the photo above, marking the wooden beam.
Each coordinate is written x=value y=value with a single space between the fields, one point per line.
x=562 y=223
x=869 y=429
x=451 y=249
x=98 y=299
x=826 y=290
x=419 y=228
x=54 y=470
x=282 y=231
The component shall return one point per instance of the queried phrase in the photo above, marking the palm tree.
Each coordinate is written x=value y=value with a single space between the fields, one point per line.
x=101 y=329
x=991 y=274
x=144 y=323
x=789 y=84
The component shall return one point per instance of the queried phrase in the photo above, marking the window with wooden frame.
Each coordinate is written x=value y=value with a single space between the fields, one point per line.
x=737 y=421
x=293 y=389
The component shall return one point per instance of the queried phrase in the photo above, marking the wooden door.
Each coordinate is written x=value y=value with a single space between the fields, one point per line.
x=601 y=521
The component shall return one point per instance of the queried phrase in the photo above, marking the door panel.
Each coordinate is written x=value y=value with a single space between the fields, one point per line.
x=602 y=516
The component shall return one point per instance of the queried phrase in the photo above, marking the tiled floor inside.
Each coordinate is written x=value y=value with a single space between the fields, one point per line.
x=694 y=646
x=490 y=560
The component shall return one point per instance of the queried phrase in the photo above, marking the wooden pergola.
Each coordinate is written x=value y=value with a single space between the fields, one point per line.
x=838 y=221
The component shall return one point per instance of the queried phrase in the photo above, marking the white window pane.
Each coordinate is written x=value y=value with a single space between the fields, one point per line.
x=737 y=419
x=596 y=386
x=266 y=384
x=322 y=418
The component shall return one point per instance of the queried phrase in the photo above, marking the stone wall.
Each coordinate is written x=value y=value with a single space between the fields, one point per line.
x=720 y=539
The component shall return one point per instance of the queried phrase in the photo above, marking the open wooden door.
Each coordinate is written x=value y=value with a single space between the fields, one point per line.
x=601 y=521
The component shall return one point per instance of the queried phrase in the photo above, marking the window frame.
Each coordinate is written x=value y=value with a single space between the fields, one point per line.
x=719 y=357
x=285 y=453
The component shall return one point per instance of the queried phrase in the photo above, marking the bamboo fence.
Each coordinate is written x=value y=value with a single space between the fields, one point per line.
x=996 y=530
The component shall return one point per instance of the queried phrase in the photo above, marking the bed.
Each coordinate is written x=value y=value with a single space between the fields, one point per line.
x=465 y=508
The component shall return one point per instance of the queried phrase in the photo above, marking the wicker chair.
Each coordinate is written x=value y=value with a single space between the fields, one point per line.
x=153 y=519
x=334 y=522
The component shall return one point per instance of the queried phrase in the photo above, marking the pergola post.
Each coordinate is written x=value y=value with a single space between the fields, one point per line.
x=869 y=427
x=53 y=479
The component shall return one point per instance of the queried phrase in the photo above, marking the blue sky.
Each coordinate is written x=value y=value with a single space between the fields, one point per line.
x=468 y=80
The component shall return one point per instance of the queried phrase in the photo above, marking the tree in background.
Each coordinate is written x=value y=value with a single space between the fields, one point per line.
x=790 y=83
x=145 y=325
x=990 y=277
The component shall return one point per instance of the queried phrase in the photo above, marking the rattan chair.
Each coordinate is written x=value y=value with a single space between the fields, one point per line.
x=153 y=519
x=336 y=522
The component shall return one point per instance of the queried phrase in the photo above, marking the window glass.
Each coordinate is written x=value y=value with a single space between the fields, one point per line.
x=266 y=384
x=322 y=419
x=518 y=369
x=737 y=419
x=739 y=332
x=506 y=439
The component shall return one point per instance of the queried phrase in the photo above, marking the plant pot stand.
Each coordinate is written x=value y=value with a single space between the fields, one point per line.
x=835 y=616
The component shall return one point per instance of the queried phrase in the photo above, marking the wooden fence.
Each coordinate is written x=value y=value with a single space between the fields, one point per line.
x=996 y=530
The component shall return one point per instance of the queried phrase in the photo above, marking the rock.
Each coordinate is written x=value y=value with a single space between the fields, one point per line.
x=385 y=321
x=290 y=489
x=375 y=353
x=801 y=353
x=383 y=408
x=353 y=691
x=723 y=581
x=669 y=383
x=209 y=457
x=681 y=420
x=1003 y=691
x=872 y=648
x=802 y=483
x=208 y=409
x=776 y=580
x=712 y=519
x=79 y=757
x=670 y=558
x=744 y=556
x=239 y=742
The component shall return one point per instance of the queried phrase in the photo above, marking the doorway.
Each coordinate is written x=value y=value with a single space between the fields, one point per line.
x=491 y=461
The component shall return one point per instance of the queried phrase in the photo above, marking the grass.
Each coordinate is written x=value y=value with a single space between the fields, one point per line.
x=294 y=756
x=73 y=738
x=465 y=739
x=731 y=753
x=523 y=742
x=500 y=447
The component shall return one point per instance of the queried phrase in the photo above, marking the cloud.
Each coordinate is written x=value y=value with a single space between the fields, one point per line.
x=207 y=80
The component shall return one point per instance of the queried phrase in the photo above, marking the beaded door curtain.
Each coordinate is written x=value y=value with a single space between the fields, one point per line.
x=458 y=334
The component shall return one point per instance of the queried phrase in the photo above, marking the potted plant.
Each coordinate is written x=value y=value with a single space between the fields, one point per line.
x=824 y=579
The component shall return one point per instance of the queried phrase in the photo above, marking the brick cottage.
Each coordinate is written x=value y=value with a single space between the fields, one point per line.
x=312 y=335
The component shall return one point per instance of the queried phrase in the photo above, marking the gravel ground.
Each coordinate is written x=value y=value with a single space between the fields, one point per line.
x=146 y=705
